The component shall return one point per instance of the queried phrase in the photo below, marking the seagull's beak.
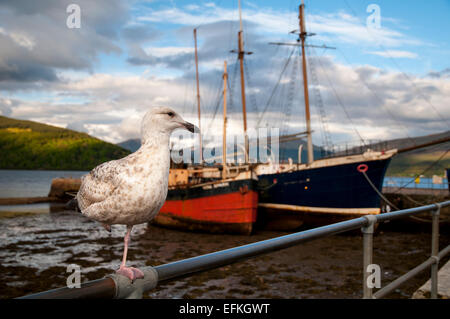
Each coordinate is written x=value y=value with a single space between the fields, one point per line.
x=191 y=127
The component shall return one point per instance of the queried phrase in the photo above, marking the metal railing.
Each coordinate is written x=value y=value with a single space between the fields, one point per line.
x=117 y=286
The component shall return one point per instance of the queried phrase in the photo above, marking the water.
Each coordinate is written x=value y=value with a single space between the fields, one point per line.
x=35 y=251
x=39 y=241
x=30 y=183
x=425 y=182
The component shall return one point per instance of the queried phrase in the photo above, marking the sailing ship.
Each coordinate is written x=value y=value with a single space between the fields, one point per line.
x=336 y=188
x=289 y=194
x=232 y=198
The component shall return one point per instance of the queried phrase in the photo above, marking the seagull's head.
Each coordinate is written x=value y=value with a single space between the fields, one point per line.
x=164 y=120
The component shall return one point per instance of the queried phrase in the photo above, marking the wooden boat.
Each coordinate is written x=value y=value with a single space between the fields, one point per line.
x=328 y=190
x=323 y=190
x=219 y=205
x=222 y=199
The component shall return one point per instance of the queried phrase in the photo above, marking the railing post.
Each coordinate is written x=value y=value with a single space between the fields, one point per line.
x=126 y=289
x=367 y=253
x=435 y=251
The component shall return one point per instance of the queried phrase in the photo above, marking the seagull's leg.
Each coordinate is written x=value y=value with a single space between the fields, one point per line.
x=130 y=272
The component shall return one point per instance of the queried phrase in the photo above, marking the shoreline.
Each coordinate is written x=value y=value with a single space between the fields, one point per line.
x=29 y=200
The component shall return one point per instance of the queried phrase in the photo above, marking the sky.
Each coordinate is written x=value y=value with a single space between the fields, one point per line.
x=384 y=78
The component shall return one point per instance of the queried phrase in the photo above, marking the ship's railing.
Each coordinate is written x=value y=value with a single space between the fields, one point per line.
x=117 y=286
x=354 y=148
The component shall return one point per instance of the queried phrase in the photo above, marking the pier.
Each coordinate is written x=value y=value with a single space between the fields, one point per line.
x=116 y=286
x=443 y=289
x=435 y=192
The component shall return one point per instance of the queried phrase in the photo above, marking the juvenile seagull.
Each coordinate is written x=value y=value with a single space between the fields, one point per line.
x=131 y=190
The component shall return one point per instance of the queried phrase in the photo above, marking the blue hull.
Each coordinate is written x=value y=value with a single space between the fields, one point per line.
x=337 y=186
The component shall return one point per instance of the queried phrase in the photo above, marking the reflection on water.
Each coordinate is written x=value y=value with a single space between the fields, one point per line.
x=39 y=208
x=33 y=208
x=44 y=241
x=30 y=183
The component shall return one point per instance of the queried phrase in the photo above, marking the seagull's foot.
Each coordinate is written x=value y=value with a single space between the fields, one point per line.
x=130 y=272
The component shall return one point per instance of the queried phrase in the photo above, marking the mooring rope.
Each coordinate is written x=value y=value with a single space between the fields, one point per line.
x=390 y=203
x=376 y=190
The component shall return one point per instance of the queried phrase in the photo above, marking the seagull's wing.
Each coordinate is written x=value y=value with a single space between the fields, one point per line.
x=99 y=184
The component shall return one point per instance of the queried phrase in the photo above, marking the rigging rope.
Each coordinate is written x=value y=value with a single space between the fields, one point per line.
x=275 y=88
x=398 y=67
x=423 y=172
x=380 y=100
x=326 y=138
x=250 y=95
x=341 y=104
x=287 y=107
x=408 y=197
x=216 y=109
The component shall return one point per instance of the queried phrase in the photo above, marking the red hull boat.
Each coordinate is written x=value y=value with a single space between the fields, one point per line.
x=221 y=206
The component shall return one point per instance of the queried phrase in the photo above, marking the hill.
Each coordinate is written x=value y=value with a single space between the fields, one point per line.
x=287 y=149
x=32 y=145
x=417 y=161
x=405 y=164
x=132 y=144
x=427 y=161
x=409 y=142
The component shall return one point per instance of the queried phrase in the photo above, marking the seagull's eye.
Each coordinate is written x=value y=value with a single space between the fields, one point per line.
x=171 y=114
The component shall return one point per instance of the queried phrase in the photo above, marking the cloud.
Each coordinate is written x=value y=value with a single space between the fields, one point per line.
x=395 y=54
x=139 y=33
x=381 y=104
x=35 y=42
x=59 y=63
x=339 y=26
x=441 y=74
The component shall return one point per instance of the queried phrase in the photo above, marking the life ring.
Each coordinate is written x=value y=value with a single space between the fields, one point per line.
x=362 y=168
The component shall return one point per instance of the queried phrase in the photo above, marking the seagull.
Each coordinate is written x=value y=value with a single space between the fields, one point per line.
x=131 y=190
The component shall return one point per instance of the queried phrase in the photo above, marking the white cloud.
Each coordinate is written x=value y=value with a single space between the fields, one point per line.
x=110 y=106
x=338 y=26
x=395 y=54
x=395 y=106
x=20 y=38
x=168 y=50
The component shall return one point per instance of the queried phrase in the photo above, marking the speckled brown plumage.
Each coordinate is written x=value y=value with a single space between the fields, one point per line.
x=131 y=190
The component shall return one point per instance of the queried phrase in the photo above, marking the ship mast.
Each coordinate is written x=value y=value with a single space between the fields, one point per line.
x=198 y=98
x=241 y=54
x=301 y=42
x=302 y=38
x=224 y=138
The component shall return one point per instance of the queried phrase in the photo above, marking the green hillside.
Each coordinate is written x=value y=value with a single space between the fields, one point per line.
x=31 y=145
x=414 y=163
x=427 y=161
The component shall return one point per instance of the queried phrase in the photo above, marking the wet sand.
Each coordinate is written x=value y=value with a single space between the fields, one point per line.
x=36 y=249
